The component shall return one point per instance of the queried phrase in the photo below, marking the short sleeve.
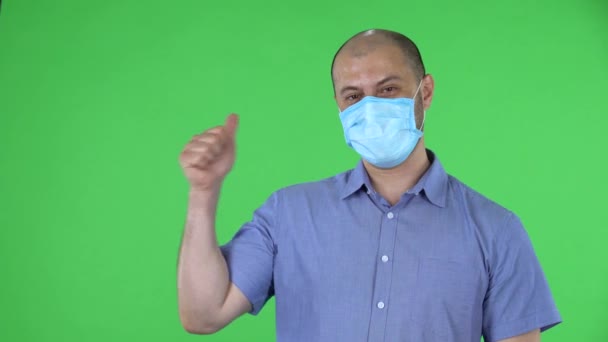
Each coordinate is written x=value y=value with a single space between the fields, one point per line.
x=250 y=256
x=518 y=299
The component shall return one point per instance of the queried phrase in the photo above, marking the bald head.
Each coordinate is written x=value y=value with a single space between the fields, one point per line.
x=366 y=42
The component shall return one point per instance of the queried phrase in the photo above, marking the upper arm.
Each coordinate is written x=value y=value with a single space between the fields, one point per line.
x=250 y=260
x=532 y=336
x=518 y=299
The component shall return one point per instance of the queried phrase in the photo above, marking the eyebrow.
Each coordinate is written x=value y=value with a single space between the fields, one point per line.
x=388 y=79
x=381 y=82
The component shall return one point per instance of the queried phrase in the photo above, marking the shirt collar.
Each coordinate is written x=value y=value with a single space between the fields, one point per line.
x=433 y=182
x=355 y=180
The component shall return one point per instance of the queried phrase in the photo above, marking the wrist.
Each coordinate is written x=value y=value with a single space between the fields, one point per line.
x=210 y=190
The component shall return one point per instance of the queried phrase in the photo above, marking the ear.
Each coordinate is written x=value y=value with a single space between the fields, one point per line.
x=428 y=90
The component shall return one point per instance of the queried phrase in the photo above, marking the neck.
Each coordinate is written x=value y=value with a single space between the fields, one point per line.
x=393 y=183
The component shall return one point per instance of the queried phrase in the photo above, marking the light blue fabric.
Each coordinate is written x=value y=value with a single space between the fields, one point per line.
x=444 y=264
x=382 y=130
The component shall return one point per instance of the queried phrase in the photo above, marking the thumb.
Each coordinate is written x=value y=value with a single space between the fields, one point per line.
x=232 y=122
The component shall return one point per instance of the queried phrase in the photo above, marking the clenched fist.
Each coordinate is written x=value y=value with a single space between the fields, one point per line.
x=209 y=156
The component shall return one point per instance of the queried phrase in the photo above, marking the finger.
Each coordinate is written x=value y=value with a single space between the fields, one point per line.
x=211 y=138
x=216 y=131
x=231 y=125
x=208 y=145
x=196 y=160
x=188 y=158
x=203 y=147
x=215 y=136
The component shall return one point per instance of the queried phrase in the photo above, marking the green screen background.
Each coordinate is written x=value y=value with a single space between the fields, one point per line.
x=97 y=99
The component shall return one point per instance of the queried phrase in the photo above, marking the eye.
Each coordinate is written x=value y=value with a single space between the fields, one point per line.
x=389 y=89
x=352 y=97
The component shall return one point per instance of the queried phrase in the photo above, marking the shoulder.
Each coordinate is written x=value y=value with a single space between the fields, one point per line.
x=497 y=230
x=323 y=188
x=481 y=212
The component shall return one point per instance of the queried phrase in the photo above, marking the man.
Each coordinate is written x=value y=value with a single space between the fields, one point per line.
x=393 y=250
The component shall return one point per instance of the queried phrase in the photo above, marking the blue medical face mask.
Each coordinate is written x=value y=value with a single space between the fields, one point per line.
x=382 y=130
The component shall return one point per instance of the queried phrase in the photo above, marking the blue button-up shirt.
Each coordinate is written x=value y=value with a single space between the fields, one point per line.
x=443 y=264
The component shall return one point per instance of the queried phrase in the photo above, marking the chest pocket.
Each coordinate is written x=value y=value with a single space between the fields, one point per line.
x=447 y=296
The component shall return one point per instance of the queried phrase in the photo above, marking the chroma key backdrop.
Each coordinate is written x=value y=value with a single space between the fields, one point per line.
x=97 y=99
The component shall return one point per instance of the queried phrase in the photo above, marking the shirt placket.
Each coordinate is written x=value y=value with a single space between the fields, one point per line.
x=384 y=273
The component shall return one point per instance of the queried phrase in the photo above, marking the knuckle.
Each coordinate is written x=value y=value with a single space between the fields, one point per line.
x=183 y=155
x=213 y=139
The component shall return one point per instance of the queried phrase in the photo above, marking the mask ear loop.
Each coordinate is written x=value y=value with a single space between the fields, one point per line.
x=423 y=118
x=424 y=112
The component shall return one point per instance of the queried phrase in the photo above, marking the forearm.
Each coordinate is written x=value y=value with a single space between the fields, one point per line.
x=203 y=279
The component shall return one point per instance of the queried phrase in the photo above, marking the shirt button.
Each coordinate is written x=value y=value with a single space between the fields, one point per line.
x=380 y=305
x=390 y=215
x=384 y=258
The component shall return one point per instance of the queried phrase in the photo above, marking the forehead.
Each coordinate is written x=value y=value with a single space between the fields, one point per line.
x=370 y=64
